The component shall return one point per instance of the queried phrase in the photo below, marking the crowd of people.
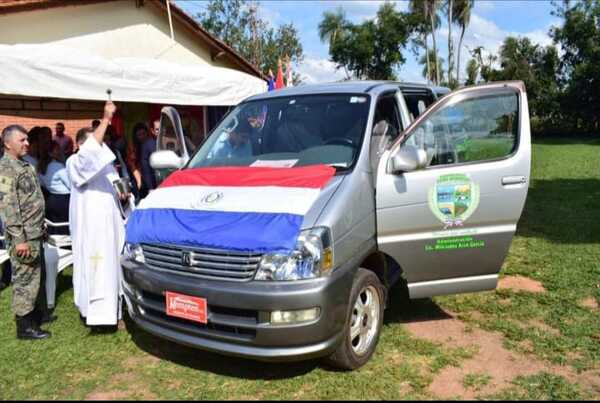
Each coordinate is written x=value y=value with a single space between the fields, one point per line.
x=45 y=175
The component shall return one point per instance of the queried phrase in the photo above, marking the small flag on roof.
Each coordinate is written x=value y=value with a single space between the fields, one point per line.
x=271 y=81
x=279 y=82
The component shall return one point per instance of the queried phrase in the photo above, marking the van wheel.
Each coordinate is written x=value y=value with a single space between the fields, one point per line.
x=363 y=323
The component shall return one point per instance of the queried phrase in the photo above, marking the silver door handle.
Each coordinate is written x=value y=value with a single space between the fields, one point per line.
x=513 y=180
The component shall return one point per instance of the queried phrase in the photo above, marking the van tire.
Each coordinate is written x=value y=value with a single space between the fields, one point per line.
x=349 y=354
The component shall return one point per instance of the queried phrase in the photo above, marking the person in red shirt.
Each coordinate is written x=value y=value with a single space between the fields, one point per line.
x=65 y=142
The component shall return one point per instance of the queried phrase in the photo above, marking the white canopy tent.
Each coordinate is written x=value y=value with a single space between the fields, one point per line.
x=56 y=71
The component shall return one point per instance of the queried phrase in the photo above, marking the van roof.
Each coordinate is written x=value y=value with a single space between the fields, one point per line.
x=344 y=87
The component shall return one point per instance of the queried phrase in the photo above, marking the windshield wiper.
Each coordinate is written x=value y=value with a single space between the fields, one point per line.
x=340 y=167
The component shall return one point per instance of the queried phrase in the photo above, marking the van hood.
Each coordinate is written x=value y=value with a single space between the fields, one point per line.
x=312 y=216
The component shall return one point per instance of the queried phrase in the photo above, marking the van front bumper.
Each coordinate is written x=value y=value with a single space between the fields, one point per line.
x=239 y=313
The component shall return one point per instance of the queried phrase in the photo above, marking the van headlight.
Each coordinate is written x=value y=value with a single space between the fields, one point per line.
x=134 y=252
x=311 y=258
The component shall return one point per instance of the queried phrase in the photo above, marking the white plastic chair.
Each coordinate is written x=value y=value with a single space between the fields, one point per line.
x=4 y=257
x=58 y=256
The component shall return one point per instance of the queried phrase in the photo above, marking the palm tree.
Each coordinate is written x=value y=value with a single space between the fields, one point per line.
x=430 y=9
x=332 y=26
x=434 y=70
x=450 y=15
x=472 y=72
x=462 y=12
x=421 y=27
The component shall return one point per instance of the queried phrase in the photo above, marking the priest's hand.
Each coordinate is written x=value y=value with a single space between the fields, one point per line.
x=109 y=110
x=123 y=196
x=22 y=249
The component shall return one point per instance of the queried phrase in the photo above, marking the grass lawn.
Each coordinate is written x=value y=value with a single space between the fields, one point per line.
x=558 y=244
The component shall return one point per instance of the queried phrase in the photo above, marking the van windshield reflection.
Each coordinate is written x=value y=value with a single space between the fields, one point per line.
x=289 y=132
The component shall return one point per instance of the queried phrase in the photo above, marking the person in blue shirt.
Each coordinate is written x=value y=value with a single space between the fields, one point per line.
x=235 y=144
x=53 y=177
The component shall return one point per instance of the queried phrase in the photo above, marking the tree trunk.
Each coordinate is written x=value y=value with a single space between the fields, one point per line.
x=435 y=55
x=462 y=34
x=348 y=77
x=428 y=62
x=450 y=42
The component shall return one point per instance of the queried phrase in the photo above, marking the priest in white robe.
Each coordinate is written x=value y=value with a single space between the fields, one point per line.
x=97 y=227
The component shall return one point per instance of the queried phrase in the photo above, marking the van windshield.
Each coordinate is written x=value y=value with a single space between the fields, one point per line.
x=289 y=131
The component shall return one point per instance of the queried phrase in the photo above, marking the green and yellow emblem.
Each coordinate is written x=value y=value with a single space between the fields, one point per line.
x=453 y=199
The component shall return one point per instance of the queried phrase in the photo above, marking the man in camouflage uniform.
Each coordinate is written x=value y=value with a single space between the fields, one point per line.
x=22 y=213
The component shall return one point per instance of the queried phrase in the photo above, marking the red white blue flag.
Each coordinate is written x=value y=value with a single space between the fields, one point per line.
x=248 y=209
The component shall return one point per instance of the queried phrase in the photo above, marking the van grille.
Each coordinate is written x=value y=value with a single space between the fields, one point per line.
x=204 y=263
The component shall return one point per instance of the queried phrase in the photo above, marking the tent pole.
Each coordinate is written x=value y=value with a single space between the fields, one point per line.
x=170 y=19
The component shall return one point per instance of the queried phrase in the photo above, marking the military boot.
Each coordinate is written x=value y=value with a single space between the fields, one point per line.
x=27 y=329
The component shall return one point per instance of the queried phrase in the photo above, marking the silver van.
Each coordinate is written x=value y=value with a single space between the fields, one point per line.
x=423 y=191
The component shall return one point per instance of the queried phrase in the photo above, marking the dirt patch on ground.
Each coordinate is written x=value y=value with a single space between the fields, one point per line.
x=492 y=359
x=590 y=302
x=136 y=362
x=108 y=396
x=520 y=283
x=127 y=385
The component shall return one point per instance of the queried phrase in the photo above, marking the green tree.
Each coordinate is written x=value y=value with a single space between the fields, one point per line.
x=484 y=62
x=372 y=49
x=280 y=43
x=431 y=8
x=472 y=72
x=333 y=26
x=579 y=38
x=228 y=20
x=236 y=22
x=430 y=71
x=420 y=27
x=449 y=8
x=462 y=13
x=538 y=68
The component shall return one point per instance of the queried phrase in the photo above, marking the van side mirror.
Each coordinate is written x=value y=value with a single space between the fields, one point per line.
x=408 y=158
x=166 y=159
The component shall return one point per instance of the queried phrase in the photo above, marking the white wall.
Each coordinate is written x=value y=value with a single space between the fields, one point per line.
x=111 y=30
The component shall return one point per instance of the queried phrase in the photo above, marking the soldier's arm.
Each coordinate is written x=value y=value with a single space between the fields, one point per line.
x=14 y=219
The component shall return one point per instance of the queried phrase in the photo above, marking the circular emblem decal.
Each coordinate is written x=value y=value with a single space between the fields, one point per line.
x=453 y=199
x=212 y=198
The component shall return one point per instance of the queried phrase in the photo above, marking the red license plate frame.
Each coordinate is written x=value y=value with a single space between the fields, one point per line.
x=186 y=307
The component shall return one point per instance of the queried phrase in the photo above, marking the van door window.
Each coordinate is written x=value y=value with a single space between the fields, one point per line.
x=168 y=138
x=386 y=127
x=470 y=130
x=417 y=102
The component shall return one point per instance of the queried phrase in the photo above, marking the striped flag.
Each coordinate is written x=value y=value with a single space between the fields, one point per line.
x=288 y=72
x=247 y=209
